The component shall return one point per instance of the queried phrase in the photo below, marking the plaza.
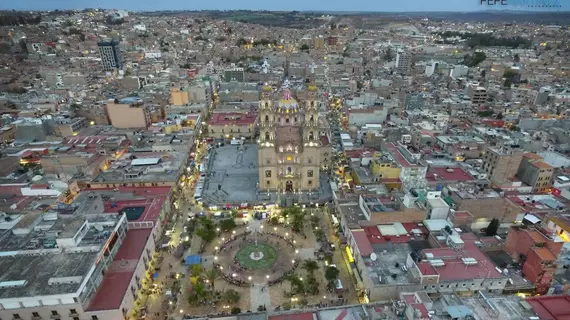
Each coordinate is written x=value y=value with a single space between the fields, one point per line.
x=233 y=177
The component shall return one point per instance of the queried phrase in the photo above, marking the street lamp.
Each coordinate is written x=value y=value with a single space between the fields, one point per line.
x=249 y=278
x=267 y=276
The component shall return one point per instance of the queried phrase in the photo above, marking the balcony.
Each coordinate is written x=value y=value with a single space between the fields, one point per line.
x=55 y=316
x=38 y=317
x=73 y=314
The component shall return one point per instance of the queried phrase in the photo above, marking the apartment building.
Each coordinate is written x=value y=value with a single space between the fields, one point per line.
x=110 y=54
x=76 y=261
x=537 y=252
x=66 y=127
x=128 y=113
x=535 y=172
x=234 y=74
x=403 y=61
x=502 y=163
x=477 y=94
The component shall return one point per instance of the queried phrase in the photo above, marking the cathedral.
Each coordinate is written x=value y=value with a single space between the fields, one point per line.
x=291 y=149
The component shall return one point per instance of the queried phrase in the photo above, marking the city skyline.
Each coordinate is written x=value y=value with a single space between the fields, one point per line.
x=299 y=5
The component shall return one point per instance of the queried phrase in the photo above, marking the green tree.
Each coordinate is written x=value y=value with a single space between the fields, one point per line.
x=206 y=234
x=492 y=228
x=211 y=276
x=500 y=116
x=196 y=270
x=236 y=310
x=331 y=274
x=304 y=47
x=227 y=224
x=231 y=296
x=311 y=266
x=296 y=283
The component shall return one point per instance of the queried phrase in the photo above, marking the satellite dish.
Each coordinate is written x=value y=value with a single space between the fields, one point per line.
x=373 y=256
x=37 y=178
x=98 y=227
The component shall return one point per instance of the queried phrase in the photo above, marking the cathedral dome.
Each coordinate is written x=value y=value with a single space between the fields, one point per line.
x=288 y=103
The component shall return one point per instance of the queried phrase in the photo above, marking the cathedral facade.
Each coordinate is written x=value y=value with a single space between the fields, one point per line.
x=291 y=147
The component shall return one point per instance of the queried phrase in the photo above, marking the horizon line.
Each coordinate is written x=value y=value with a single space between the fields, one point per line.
x=300 y=11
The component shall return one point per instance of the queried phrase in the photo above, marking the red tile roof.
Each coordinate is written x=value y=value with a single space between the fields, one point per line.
x=116 y=281
x=240 y=119
x=297 y=316
x=361 y=239
x=551 y=307
x=454 y=268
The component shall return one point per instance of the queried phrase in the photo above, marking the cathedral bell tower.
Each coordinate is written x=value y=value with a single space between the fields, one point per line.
x=266 y=117
x=311 y=124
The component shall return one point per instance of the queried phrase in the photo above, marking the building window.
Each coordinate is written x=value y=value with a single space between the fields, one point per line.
x=310 y=173
x=267 y=161
x=268 y=182
x=310 y=182
x=16 y=316
x=266 y=118
x=289 y=170
x=72 y=311
x=94 y=318
x=239 y=130
x=286 y=120
x=75 y=318
x=310 y=160
x=268 y=173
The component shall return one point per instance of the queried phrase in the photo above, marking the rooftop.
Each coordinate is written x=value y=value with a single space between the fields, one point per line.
x=233 y=118
x=451 y=174
x=34 y=275
x=145 y=166
x=551 y=307
x=455 y=264
x=111 y=291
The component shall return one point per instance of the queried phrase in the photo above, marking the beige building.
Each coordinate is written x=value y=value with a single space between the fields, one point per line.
x=290 y=144
x=535 y=172
x=477 y=94
x=501 y=163
x=179 y=96
x=128 y=113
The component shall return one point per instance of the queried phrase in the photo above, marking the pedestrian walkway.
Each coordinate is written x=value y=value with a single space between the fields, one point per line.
x=259 y=296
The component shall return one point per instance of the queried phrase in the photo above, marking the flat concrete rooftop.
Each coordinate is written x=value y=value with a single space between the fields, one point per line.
x=235 y=169
x=38 y=270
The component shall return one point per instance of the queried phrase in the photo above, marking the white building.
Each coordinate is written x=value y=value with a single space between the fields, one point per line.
x=403 y=61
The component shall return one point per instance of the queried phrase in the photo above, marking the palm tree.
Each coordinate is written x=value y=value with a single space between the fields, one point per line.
x=196 y=270
x=296 y=283
x=211 y=276
x=311 y=266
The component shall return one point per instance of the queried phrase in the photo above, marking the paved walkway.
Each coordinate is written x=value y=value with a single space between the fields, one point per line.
x=259 y=294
